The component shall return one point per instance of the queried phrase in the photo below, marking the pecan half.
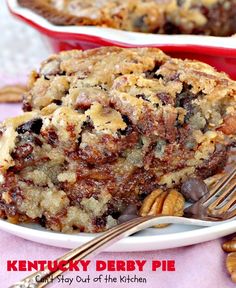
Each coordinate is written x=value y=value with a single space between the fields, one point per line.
x=231 y=265
x=161 y=202
x=230 y=246
x=229 y=125
x=12 y=93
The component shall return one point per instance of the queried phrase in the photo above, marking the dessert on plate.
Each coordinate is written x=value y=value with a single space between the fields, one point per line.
x=106 y=128
x=208 y=17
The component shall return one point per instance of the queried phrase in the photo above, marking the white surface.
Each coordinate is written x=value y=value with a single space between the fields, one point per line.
x=149 y=239
x=22 y=49
x=132 y=38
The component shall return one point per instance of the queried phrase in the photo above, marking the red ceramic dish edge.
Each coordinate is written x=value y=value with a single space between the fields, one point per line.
x=218 y=51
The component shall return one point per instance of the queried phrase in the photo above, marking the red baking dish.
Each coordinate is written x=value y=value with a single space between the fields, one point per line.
x=219 y=52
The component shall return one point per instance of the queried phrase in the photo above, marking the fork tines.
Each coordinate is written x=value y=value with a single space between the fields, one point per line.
x=222 y=196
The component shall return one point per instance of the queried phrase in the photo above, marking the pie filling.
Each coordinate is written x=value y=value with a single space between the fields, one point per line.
x=209 y=17
x=106 y=128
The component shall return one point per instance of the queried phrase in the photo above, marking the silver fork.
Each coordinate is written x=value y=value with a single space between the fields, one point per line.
x=218 y=206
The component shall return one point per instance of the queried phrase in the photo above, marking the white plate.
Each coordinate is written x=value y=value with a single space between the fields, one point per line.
x=149 y=239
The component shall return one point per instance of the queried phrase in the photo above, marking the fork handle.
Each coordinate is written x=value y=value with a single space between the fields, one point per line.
x=98 y=244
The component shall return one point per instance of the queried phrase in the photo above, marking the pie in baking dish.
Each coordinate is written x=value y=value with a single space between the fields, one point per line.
x=209 y=17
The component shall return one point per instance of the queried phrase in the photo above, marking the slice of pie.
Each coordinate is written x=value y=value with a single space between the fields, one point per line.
x=106 y=128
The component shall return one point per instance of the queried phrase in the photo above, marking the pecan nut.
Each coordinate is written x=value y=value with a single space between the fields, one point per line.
x=12 y=93
x=231 y=265
x=230 y=246
x=161 y=202
x=229 y=125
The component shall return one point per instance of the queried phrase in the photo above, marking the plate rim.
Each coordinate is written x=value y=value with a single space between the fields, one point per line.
x=128 y=244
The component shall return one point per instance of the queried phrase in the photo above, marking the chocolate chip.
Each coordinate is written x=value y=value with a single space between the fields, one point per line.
x=126 y=119
x=232 y=144
x=142 y=96
x=112 y=210
x=151 y=74
x=129 y=213
x=143 y=195
x=58 y=102
x=43 y=221
x=130 y=210
x=194 y=189
x=125 y=218
x=33 y=126
x=171 y=28
x=128 y=128
x=184 y=100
